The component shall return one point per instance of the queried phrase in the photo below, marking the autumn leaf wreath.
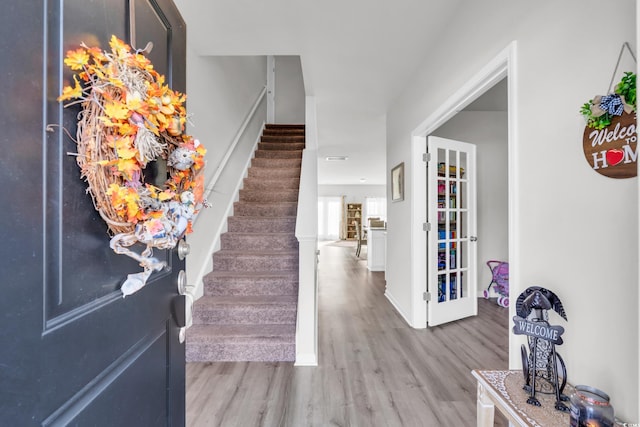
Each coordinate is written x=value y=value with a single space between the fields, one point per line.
x=130 y=118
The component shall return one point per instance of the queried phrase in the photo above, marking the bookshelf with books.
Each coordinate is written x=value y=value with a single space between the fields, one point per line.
x=354 y=220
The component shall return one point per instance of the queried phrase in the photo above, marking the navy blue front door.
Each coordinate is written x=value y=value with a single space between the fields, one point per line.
x=72 y=350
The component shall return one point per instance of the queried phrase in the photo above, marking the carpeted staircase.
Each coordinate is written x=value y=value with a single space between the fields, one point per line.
x=249 y=308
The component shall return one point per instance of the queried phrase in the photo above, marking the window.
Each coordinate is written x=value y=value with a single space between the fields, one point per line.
x=329 y=213
x=375 y=207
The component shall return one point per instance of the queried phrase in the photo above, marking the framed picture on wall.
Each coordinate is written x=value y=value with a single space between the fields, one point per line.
x=397 y=183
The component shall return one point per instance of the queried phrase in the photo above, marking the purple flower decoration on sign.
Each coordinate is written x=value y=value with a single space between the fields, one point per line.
x=612 y=104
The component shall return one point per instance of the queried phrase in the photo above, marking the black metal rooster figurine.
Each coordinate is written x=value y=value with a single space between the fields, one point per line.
x=543 y=368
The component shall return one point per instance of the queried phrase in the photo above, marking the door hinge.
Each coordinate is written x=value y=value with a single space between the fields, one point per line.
x=426 y=296
x=426 y=226
x=426 y=157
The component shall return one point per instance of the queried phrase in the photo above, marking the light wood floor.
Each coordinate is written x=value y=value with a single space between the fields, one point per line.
x=374 y=370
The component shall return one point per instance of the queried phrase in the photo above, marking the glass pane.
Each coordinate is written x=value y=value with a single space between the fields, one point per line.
x=464 y=285
x=453 y=255
x=442 y=201
x=464 y=194
x=454 y=228
x=442 y=288
x=442 y=259
x=442 y=187
x=463 y=251
x=453 y=163
x=462 y=227
x=441 y=160
x=453 y=286
x=453 y=217
x=442 y=248
x=463 y=164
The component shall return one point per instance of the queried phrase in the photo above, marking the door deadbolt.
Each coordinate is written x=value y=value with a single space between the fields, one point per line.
x=182 y=282
x=183 y=249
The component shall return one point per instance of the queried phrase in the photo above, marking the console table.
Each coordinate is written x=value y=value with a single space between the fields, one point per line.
x=503 y=390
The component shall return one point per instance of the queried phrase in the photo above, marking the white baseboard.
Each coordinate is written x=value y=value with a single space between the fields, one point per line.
x=306 y=359
x=395 y=305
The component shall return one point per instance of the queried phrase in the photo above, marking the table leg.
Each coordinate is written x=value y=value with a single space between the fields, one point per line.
x=485 y=408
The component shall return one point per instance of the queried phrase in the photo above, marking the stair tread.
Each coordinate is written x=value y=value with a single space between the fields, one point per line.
x=276 y=171
x=277 y=162
x=274 y=179
x=259 y=233
x=247 y=300
x=268 y=203
x=285 y=220
x=272 y=169
x=254 y=274
x=284 y=126
x=252 y=191
x=237 y=252
x=277 y=147
x=285 y=144
x=254 y=218
x=239 y=333
x=279 y=151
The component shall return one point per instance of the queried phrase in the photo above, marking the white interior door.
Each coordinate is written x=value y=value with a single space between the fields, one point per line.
x=451 y=239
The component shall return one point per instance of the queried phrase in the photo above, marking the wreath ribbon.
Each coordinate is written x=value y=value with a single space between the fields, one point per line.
x=612 y=104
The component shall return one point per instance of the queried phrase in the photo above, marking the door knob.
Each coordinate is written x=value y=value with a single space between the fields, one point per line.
x=182 y=282
x=179 y=310
x=182 y=305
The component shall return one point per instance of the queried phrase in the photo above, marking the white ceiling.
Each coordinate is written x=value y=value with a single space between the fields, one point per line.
x=356 y=55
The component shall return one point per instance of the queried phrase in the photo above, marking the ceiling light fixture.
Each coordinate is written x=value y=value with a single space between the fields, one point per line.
x=336 y=158
x=363 y=179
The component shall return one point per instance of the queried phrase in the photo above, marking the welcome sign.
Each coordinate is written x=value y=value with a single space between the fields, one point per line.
x=613 y=151
x=538 y=330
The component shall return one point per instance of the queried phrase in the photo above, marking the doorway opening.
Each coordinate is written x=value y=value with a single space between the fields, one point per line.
x=466 y=105
x=329 y=217
x=484 y=124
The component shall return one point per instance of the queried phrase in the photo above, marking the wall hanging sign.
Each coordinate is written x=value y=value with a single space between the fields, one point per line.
x=609 y=140
x=129 y=119
x=612 y=151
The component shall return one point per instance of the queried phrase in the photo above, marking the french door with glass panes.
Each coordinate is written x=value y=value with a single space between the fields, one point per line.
x=451 y=241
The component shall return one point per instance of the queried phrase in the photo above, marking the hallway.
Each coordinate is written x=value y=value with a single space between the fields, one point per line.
x=374 y=370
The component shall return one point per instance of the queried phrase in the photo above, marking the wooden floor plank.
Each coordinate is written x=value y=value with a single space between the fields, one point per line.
x=374 y=370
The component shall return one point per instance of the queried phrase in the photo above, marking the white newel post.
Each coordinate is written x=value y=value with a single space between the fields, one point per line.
x=307 y=235
x=271 y=89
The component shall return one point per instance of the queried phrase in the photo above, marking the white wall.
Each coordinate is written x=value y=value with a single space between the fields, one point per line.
x=576 y=231
x=221 y=92
x=289 y=91
x=353 y=193
x=488 y=131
